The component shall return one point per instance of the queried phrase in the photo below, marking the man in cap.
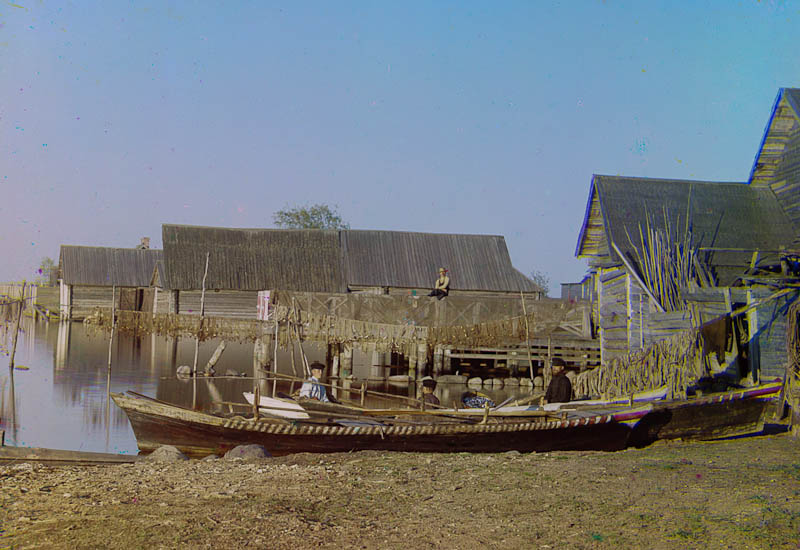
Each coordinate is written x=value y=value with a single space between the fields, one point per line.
x=442 y=287
x=313 y=388
x=560 y=388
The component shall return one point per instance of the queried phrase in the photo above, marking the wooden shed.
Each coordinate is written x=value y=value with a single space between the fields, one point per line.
x=88 y=276
x=739 y=232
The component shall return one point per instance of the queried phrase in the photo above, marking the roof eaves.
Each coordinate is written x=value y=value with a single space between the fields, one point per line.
x=586 y=214
x=766 y=133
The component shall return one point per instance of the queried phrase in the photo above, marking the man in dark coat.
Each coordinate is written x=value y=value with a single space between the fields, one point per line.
x=560 y=388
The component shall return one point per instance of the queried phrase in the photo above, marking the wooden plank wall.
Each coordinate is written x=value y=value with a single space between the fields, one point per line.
x=638 y=310
x=613 y=313
x=162 y=302
x=86 y=298
x=771 y=325
x=786 y=181
x=223 y=303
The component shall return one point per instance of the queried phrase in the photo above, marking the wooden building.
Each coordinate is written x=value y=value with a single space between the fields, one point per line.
x=89 y=275
x=739 y=233
x=242 y=262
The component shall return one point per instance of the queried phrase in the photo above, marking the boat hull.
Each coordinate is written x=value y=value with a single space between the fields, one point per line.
x=727 y=414
x=199 y=434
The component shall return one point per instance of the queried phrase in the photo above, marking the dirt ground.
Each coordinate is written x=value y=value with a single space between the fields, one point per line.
x=741 y=493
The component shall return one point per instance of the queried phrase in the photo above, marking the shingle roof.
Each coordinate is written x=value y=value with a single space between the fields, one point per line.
x=410 y=260
x=721 y=215
x=102 y=266
x=330 y=261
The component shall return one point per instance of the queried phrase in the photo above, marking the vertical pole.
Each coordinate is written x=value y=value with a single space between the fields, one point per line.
x=438 y=361
x=202 y=313
x=275 y=358
x=527 y=334
x=113 y=322
x=16 y=328
x=422 y=359
x=411 y=350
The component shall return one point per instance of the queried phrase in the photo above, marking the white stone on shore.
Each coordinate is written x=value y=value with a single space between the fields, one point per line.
x=166 y=453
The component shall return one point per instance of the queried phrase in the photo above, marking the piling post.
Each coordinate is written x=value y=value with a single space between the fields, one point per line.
x=16 y=329
x=422 y=359
x=411 y=349
x=202 y=313
x=347 y=359
x=438 y=360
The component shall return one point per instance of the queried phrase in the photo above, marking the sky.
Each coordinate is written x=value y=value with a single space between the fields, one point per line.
x=443 y=117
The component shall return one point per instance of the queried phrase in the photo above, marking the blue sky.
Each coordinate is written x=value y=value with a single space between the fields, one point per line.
x=451 y=117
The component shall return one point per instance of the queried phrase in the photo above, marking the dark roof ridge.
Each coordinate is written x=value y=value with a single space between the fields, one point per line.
x=109 y=247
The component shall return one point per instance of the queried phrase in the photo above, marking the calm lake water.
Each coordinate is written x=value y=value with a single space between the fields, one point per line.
x=57 y=397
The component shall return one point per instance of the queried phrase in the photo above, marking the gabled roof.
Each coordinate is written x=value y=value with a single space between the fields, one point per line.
x=784 y=121
x=333 y=261
x=720 y=215
x=252 y=259
x=103 y=266
x=410 y=260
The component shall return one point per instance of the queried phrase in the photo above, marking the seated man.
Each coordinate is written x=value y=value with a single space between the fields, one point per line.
x=475 y=400
x=560 y=388
x=312 y=388
x=442 y=287
x=428 y=386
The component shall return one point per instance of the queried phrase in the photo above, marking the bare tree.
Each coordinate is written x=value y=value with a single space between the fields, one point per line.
x=541 y=279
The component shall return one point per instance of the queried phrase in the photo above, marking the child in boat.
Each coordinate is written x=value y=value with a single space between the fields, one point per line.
x=428 y=386
x=312 y=388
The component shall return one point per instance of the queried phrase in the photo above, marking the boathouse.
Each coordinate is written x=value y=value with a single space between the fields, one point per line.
x=669 y=255
x=90 y=275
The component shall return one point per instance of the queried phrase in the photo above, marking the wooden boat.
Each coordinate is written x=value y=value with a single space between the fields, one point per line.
x=725 y=414
x=198 y=434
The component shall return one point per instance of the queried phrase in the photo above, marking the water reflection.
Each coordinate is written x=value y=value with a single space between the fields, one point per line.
x=62 y=401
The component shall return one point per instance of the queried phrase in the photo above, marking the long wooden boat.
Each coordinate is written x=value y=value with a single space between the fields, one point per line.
x=198 y=434
x=714 y=416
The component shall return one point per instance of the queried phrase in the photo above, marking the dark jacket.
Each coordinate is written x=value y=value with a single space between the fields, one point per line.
x=559 y=390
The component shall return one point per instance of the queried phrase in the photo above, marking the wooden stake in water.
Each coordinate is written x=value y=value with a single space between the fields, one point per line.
x=202 y=313
x=113 y=322
x=16 y=327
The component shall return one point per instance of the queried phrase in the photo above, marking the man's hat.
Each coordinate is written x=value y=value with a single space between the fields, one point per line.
x=442 y=269
x=429 y=383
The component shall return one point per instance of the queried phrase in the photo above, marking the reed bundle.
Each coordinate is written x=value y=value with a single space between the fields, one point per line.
x=676 y=361
x=670 y=265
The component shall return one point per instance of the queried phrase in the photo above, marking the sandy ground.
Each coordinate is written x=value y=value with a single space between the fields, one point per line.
x=742 y=493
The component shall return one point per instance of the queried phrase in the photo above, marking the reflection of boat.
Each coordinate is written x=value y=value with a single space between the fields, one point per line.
x=156 y=423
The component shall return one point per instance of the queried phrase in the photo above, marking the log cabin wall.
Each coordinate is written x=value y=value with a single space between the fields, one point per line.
x=613 y=313
x=223 y=303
